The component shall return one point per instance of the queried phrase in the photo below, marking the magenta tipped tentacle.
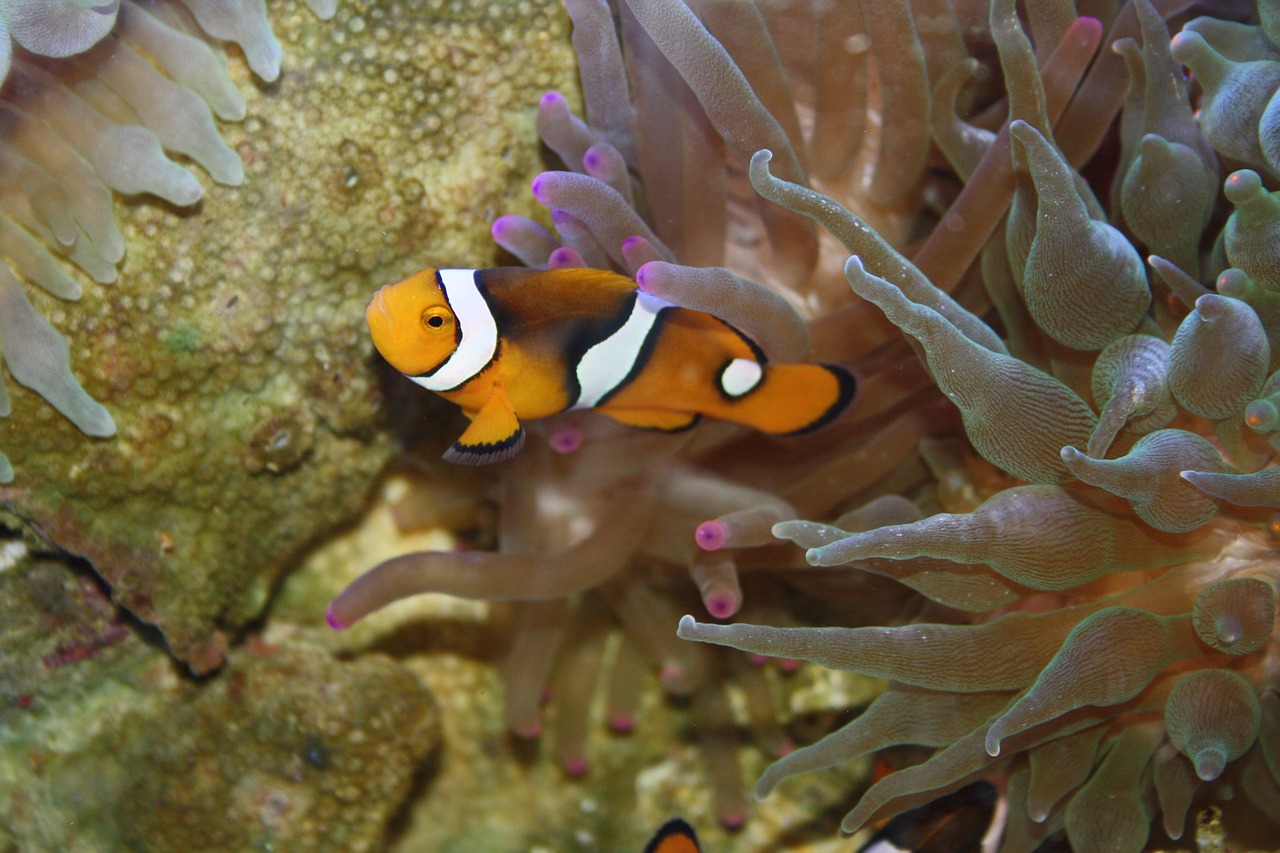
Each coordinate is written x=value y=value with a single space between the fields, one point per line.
x=562 y=131
x=564 y=258
x=527 y=240
x=603 y=162
x=609 y=218
x=764 y=315
x=636 y=252
x=716 y=577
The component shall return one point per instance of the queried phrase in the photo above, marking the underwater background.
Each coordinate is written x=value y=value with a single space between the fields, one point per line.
x=1040 y=548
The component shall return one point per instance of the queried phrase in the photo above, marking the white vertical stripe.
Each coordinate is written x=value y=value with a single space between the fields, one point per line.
x=607 y=364
x=478 y=329
x=742 y=375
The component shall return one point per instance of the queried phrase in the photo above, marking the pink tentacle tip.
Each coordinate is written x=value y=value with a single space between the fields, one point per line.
x=575 y=766
x=564 y=258
x=502 y=226
x=334 y=621
x=670 y=676
x=733 y=819
x=789 y=664
x=756 y=659
x=622 y=723
x=566 y=439
x=538 y=186
x=642 y=274
x=711 y=535
x=785 y=748
x=551 y=98
x=527 y=731
x=721 y=603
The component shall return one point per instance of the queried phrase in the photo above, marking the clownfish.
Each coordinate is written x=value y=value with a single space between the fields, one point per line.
x=674 y=836
x=510 y=344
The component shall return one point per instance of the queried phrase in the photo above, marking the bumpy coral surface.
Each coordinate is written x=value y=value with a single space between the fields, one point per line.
x=1064 y=446
x=230 y=353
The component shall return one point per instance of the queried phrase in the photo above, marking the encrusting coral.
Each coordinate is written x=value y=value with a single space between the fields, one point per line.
x=243 y=393
x=1088 y=528
x=106 y=747
x=84 y=112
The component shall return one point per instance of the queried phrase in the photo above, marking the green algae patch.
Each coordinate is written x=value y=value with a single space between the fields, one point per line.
x=182 y=338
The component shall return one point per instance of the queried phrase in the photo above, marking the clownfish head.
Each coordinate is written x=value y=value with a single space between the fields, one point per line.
x=412 y=325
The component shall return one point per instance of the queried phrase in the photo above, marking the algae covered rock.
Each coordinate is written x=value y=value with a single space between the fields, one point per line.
x=232 y=352
x=109 y=746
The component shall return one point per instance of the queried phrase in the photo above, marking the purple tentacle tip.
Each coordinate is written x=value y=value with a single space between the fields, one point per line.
x=711 y=535
x=641 y=274
x=591 y=161
x=537 y=187
x=552 y=98
x=332 y=618
x=565 y=258
x=622 y=723
x=630 y=243
x=575 y=766
x=566 y=440
x=721 y=604
x=502 y=226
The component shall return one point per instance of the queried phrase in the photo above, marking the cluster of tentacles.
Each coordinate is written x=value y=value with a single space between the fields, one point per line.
x=1063 y=452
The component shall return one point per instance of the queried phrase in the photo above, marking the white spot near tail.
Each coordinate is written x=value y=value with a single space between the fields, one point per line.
x=742 y=375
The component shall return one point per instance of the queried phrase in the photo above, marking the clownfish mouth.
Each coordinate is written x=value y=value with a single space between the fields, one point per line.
x=379 y=304
x=382 y=324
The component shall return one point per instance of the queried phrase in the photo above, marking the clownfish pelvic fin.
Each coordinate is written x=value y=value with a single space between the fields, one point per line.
x=495 y=434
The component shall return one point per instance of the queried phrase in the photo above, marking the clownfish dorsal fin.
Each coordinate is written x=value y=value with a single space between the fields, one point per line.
x=587 y=277
x=674 y=836
x=495 y=434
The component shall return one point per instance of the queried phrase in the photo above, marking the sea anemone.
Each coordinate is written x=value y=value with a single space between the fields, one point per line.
x=95 y=101
x=1066 y=460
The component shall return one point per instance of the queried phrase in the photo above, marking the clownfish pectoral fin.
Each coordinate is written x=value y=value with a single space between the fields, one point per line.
x=659 y=419
x=495 y=434
x=674 y=836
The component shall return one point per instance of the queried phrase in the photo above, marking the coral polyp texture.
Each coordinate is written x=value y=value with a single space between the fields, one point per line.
x=225 y=352
x=90 y=105
x=1048 y=248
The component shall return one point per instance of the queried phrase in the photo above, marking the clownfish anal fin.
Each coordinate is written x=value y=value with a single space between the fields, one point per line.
x=495 y=435
x=658 y=419
x=674 y=836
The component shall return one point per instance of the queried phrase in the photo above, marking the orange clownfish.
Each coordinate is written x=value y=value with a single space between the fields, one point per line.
x=511 y=344
x=674 y=836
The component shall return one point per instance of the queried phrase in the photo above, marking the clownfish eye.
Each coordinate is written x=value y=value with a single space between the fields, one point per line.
x=434 y=319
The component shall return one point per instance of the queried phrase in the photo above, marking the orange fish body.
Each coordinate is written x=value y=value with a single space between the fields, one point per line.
x=513 y=344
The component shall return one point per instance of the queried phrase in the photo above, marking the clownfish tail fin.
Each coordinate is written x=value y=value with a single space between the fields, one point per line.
x=787 y=399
